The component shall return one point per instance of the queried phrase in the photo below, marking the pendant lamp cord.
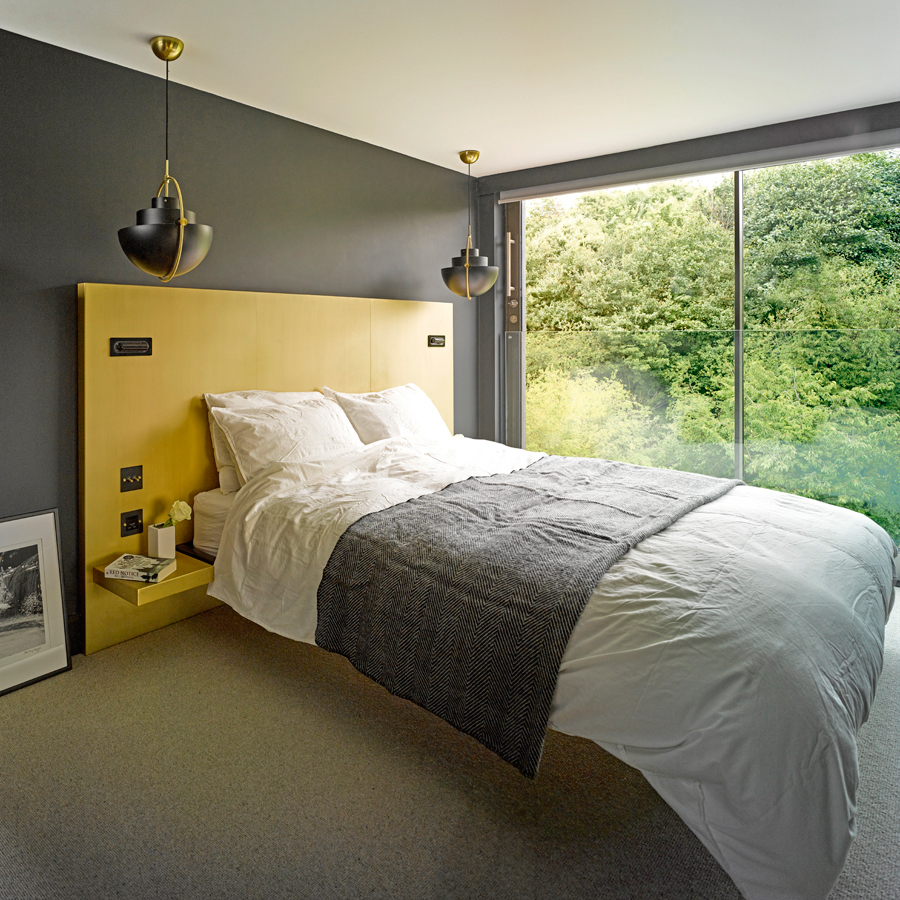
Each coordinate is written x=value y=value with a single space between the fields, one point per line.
x=469 y=192
x=469 y=237
x=167 y=124
x=182 y=221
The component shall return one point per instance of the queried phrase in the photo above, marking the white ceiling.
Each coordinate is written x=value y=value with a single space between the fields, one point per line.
x=527 y=82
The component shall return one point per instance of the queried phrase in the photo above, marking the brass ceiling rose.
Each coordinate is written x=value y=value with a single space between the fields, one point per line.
x=469 y=156
x=166 y=48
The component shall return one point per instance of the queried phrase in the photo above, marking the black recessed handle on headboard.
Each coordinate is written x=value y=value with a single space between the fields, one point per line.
x=131 y=346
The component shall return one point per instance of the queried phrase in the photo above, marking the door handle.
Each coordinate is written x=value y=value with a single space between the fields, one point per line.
x=509 y=278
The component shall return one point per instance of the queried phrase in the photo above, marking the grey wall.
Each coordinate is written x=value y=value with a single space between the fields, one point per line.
x=294 y=209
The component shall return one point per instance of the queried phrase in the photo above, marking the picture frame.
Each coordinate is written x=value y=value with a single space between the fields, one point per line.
x=34 y=640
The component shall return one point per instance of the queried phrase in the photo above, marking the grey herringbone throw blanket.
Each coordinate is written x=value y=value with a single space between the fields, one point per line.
x=463 y=600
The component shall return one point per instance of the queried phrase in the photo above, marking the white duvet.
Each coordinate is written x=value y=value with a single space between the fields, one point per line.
x=731 y=658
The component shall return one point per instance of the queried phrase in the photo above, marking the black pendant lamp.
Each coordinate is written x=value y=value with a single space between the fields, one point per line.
x=167 y=241
x=470 y=275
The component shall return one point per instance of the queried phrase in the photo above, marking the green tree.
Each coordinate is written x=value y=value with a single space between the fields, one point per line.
x=800 y=218
x=656 y=258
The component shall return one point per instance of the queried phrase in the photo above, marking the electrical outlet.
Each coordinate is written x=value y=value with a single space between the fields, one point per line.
x=132 y=522
x=131 y=478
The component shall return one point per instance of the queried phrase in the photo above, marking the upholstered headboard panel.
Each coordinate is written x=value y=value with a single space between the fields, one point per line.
x=149 y=411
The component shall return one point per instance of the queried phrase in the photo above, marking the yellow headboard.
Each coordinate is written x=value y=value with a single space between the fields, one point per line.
x=149 y=410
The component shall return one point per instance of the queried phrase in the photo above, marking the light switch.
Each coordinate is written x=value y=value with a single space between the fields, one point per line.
x=131 y=478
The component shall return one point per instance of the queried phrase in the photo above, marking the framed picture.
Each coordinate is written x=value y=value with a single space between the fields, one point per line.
x=33 y=638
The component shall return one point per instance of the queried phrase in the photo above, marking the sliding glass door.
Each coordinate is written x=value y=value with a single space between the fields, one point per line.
x=642 y=333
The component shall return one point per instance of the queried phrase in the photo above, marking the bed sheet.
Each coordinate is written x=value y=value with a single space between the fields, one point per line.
x=211 y=510
x=731 y=658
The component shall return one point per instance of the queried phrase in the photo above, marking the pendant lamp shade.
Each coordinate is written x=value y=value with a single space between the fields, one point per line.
x=152 y=244
x=469 y=275
x=166 y=241
x=481 y=276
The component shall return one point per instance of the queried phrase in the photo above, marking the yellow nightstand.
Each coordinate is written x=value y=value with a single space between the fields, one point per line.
x=190 y=573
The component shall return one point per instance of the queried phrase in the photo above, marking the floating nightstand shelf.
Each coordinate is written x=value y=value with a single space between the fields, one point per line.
x=190 y=573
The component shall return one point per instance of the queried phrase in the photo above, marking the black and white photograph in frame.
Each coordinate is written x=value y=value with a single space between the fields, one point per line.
x=33 y=637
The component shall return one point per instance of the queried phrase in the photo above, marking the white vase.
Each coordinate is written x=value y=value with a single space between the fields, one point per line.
x=161 y=540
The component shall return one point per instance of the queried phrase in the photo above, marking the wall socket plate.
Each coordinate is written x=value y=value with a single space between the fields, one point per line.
x=131 y=478
x=132 y=522
x=131 y=346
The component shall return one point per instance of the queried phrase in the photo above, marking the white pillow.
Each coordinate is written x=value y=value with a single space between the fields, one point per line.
x=228 y=481
x=404 y=411
x=260 y=436
x=228 y=477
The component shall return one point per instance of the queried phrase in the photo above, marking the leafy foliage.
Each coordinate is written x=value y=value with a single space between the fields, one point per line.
x=631 y=346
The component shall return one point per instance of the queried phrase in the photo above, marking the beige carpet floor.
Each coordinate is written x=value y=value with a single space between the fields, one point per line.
x=212 y=759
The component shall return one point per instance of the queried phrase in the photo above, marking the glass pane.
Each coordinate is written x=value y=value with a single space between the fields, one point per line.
x=822 y=353
x=821 y=417
x=656 y=398
x=630 y=317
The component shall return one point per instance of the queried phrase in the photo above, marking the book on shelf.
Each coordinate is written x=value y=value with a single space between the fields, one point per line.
x=140 y=568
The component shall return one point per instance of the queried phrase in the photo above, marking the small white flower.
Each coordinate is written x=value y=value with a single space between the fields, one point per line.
x=179 y=512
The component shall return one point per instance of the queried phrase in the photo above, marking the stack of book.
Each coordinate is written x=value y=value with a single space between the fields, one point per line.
x=140 y=568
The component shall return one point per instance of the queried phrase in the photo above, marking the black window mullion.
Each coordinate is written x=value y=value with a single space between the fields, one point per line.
x=739 y=325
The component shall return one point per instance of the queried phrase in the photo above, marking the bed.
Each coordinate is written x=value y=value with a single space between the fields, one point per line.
x=731 y=657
